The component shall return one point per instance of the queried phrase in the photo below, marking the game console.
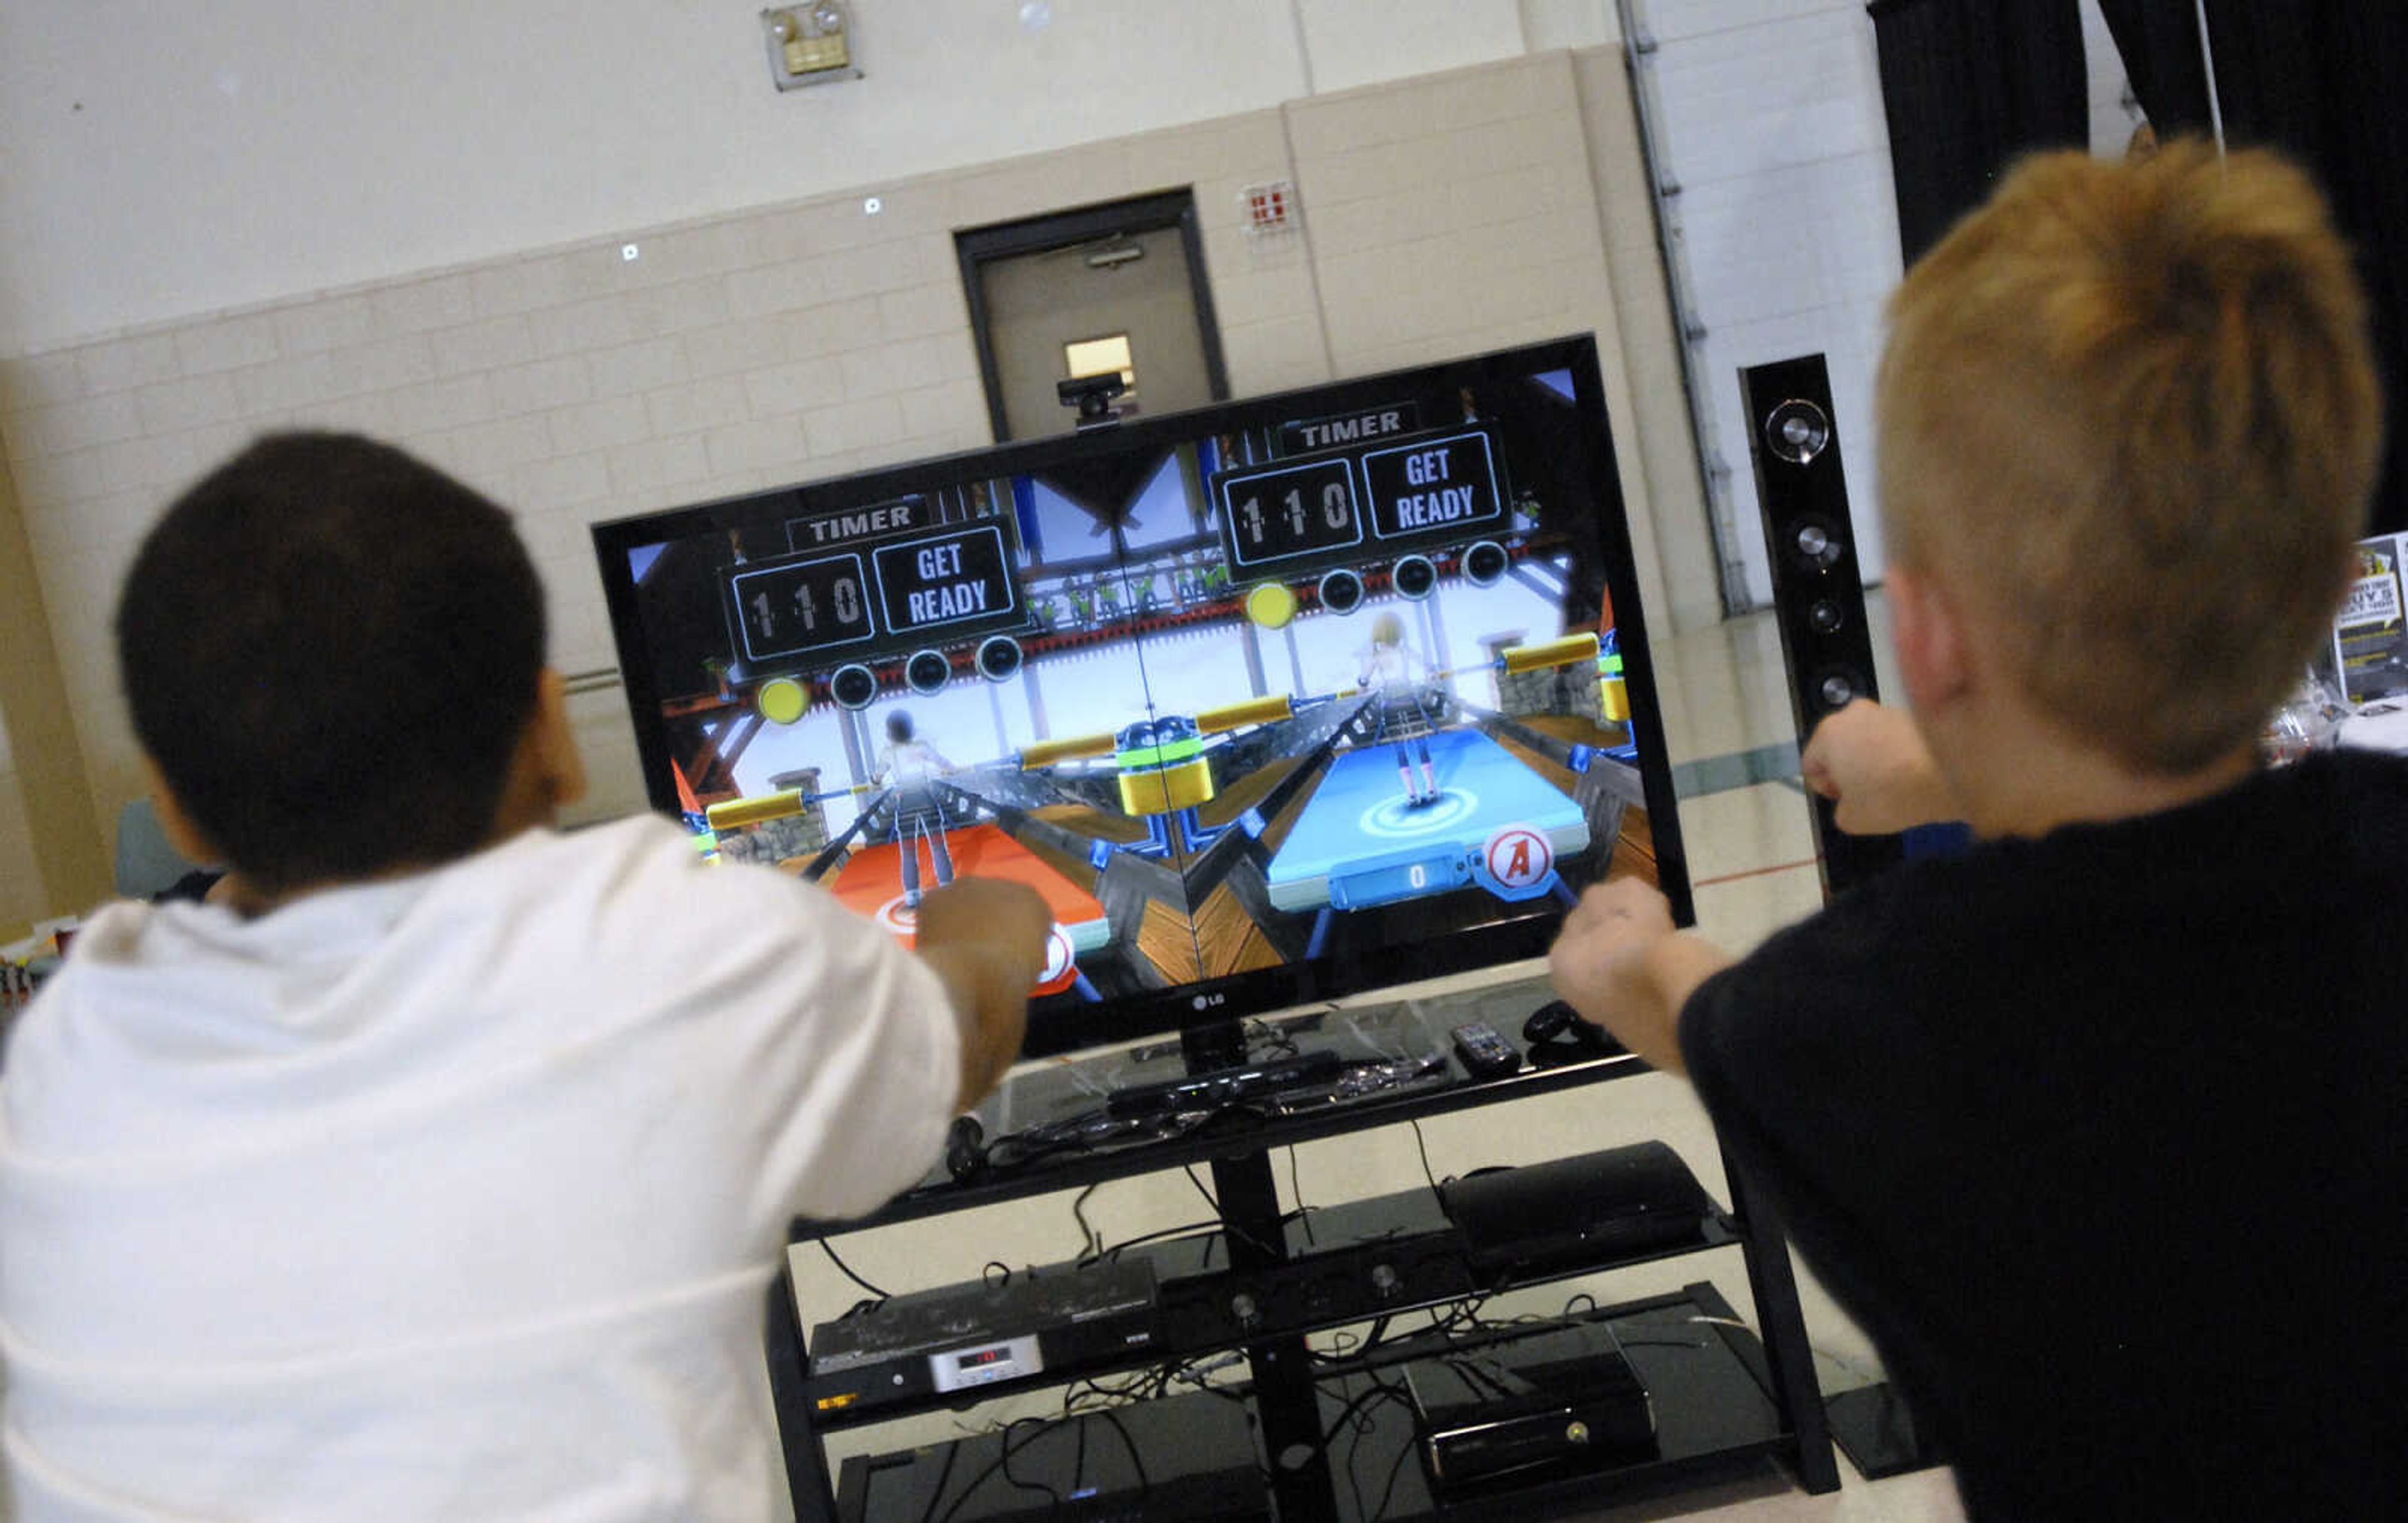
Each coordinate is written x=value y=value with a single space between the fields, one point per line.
x=1564 y=1401
x=1577 y=1212
x=1180 y=1460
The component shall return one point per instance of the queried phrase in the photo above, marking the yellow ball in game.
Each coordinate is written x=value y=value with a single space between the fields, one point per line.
x=1272 y=606
x=781 y=700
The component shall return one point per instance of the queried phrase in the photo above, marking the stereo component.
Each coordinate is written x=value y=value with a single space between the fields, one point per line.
x=1818 y=591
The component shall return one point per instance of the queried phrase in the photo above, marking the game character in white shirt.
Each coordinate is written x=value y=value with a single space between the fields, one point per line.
x=911 y=767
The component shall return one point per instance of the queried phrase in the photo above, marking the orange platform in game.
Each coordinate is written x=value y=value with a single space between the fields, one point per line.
x=870 y=882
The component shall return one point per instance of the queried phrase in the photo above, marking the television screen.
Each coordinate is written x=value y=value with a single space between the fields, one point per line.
x=1273 y=701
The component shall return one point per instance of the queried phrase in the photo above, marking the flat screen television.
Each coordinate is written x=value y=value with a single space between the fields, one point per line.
x=1275 y=700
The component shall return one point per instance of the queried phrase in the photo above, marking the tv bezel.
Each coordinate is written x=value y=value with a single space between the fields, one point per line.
x=1060 y=1028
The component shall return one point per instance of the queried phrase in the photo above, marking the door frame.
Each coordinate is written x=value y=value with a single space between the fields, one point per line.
x=978 y=246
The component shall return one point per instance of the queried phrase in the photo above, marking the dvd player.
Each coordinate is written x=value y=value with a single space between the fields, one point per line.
x=1564 y=1402
x=934 y=1343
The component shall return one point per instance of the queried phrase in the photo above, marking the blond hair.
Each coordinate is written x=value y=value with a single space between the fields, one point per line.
x=2130 y=412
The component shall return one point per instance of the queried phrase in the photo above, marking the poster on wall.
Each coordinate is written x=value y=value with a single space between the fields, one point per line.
x=2371 y=633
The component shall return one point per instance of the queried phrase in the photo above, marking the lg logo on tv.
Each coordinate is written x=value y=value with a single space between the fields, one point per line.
x=1206 y=1001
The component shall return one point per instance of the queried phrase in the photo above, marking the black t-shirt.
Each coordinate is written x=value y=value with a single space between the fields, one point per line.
x=2099 y=1138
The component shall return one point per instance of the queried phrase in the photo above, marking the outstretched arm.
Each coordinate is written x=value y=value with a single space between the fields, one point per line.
x=1620 y=962
x=1871 y=762
x=985 y=937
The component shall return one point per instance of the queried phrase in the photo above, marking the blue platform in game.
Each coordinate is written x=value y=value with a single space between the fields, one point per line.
x=1359 y=842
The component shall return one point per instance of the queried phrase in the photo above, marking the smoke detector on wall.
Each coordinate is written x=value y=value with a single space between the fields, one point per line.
x=808 y=45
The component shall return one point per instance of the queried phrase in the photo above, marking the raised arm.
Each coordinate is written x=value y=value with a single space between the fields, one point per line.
x=985 y=937
x=1871 y=762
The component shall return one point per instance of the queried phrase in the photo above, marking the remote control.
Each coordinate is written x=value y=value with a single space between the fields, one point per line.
x=1484 y=1053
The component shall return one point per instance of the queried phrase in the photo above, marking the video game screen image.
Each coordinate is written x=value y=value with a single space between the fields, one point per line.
x=1271 y=700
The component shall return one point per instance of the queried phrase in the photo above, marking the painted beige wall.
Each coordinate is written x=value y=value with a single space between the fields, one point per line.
x=1443 y=215
x=50 y=861
x=1656 y=409
x=172 y=160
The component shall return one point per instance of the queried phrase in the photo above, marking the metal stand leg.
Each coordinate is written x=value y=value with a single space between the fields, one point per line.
x=1788 y=1355
x=1282 y=1368
x=807 y=1476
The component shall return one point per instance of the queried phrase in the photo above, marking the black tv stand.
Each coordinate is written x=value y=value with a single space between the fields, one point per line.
x=1260 y=1285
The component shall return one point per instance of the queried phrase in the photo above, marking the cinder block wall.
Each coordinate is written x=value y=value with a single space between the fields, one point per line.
x=49 y=848
x=1441 y=215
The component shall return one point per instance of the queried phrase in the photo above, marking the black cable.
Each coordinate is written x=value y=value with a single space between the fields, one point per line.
x=1296 y=1189
x=846 y=1269
x=969 y=1487
x=1101 y=1253
x=1021 y=1148
x=944 y=1473
x=1421 y=1145
x=1354 y=1409
x=1379 y=1331
x=1227 y=1226
x=1137 y=1462
x=1351 y=1414
x=1092 y=1241
x=1189 y=1170
x=1458 y=1313
x=1019 y=1485
x=987 y=1275
x=1388 y=1492
x=1094 y=1389
x=1354 y=1480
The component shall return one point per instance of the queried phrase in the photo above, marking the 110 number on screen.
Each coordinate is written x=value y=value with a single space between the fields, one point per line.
x=1290 y=511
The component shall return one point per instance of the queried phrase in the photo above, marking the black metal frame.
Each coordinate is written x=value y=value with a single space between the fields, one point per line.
x=978 y=246
x=1286 y=1396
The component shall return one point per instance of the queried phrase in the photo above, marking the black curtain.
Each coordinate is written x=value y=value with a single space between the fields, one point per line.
x=2321 y=80
x=1967 y=85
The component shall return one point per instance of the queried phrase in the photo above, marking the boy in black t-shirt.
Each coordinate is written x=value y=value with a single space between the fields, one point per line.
x=2086 y=1127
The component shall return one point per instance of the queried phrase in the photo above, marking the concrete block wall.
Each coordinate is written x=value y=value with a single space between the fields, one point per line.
x=1773 y=131
x=49 y=845
x=1446 y=221
x=1772 y=127
x=1441 y=215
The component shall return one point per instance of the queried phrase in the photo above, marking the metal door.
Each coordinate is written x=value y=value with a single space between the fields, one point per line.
x=1097 y=290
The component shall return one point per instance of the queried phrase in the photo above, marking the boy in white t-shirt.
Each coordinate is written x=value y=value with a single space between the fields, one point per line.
x=438 y=1166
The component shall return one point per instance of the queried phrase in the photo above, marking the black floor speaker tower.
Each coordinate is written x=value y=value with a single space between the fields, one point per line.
x=1818 y=594
x=1818 y=589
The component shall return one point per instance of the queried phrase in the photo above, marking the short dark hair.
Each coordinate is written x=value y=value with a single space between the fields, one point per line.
x=330 y=649
x=898 y=726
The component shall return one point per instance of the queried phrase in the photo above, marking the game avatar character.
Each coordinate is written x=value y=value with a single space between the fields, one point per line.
x=916 y=804
x=1399 y=680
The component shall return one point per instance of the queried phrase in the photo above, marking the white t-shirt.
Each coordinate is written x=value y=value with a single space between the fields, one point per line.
x=456 y=1197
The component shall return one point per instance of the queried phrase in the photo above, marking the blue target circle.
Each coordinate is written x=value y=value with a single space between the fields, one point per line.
x=1397 y=820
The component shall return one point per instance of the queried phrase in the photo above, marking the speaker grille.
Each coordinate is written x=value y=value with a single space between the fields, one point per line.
x=1818 y=591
